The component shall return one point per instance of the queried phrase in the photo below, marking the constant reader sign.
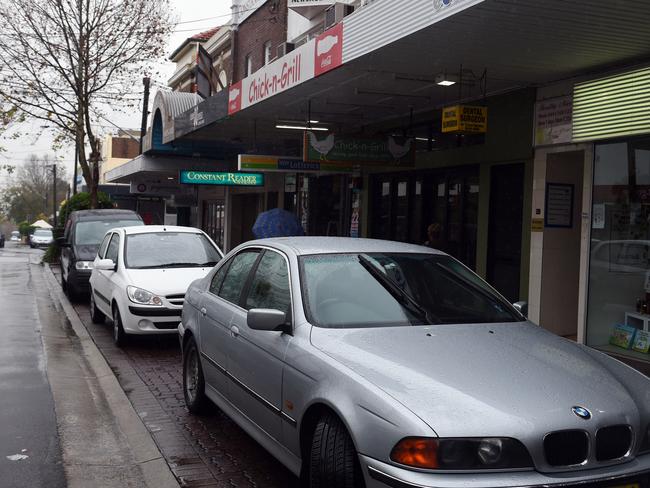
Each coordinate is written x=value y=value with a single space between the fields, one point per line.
x=222 y=179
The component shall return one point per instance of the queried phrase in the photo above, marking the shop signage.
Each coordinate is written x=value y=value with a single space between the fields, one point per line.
x=465 y=118
x=310 y=60
x=253 y=162
x=223 y=179
x=159 y=188
x=554 y=121
x=559 y=205
x=390 y=151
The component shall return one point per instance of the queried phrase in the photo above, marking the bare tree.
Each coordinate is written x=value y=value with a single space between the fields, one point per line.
x=30 y=193
x=66 y=61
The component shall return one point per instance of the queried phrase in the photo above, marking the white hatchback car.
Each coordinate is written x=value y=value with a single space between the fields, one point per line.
x=141 y=274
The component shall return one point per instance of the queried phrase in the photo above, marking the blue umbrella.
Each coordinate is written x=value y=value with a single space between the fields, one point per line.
x=277 y=223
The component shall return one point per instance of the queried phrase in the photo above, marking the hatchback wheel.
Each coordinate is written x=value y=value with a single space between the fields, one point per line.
x=193 y=380
x=333 y=461
x=119 y=336
x=96 y=315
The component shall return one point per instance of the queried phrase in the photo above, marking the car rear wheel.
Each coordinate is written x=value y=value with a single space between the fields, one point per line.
x=96 y=315
x=333 y=459
x=119 y=336
x=193 y=380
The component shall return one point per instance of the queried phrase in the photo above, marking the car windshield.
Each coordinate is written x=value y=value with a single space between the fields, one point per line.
x=91 y=232
x=43 y=233
x=387 y=290
x=169 y=250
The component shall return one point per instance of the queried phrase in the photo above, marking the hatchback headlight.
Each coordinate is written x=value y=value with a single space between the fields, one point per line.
x=83 y=265
x=143 y=297
x=461 y=454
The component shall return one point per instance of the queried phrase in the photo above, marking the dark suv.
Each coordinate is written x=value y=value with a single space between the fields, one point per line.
x=83 y=233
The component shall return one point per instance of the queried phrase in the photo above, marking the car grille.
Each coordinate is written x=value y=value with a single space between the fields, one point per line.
x=176 y=299
x=566 y=448
x=613 y=442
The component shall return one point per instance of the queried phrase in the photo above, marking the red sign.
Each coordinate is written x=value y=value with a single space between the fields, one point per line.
x=329 y=50
x=234 y=98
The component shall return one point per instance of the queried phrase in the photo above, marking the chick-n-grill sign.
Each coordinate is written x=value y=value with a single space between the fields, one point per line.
x=308 y=61
x=464 y=118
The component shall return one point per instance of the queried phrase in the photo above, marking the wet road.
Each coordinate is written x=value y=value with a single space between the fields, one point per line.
x=30 y=454
x=206 y=451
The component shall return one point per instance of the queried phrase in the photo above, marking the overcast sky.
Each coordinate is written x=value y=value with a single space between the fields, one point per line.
x=193 y=16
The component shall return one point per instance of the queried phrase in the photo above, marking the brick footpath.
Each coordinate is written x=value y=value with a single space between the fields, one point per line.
x=206 y=451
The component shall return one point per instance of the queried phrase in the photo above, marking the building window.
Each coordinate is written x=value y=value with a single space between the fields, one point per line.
x=618 y=318
x=268 y=56
x=248 y=65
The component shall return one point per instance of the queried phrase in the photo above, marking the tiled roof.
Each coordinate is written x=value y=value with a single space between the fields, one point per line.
x=205 y=35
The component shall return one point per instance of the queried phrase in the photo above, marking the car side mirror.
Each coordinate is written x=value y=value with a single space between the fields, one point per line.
x=105 y=265
x=266 y=319
x=522 y=308
x=62 y=242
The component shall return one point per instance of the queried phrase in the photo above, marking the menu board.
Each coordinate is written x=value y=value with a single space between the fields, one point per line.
x=559 y=205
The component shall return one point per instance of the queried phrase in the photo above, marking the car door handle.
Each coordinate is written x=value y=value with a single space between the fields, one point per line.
x=204 y=312
x=234 y=330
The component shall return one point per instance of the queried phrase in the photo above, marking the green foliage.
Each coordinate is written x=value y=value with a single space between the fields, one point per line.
x=25 y=229
x=52 y=254
x=81 y=201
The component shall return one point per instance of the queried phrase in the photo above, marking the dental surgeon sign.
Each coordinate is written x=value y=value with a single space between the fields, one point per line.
x=222 y=179
x=308 y=61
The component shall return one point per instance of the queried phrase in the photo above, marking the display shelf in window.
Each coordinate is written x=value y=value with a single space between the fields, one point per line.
x=638 y=320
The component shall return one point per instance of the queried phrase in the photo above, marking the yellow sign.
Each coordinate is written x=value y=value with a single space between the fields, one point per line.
x=537 y=225
x=464 y=118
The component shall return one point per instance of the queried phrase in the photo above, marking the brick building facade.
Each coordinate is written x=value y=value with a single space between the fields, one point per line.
x=267 y=26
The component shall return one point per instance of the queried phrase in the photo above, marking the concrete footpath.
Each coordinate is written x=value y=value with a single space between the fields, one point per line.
x=102 y=442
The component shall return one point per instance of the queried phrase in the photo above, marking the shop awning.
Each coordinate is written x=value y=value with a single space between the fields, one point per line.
x=161 y=167
x=392 y=56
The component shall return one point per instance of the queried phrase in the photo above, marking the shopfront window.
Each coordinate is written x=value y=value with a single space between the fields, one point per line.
x=437 y=209
x=619 y=277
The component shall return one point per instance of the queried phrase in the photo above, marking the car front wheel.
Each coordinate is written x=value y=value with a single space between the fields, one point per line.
x=96 y=315
x=193 y=380
x=119 y=336
x=333 y=459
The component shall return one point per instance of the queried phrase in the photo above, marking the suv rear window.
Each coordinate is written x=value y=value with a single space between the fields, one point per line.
x=91 y=232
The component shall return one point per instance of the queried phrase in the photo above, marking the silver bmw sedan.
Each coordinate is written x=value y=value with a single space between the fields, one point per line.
x=363 y=363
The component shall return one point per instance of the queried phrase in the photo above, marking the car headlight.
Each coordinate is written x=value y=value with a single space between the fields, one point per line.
x=143 y=297
x=461 y=454
x=83 y=265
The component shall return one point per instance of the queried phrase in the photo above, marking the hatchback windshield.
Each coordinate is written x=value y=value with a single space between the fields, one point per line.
x=91 y=232
x=381 y=290
x=43 y=233
x=169 y=250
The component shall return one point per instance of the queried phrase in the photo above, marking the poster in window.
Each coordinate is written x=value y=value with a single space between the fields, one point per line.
x=559 y=205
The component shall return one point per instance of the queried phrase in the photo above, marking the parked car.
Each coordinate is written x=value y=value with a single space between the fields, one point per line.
x=141 y=274
x=371 y=363
x=84 y=231
x=41 y=238
x=15 y=236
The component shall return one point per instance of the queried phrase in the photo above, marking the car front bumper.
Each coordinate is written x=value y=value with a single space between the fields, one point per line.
x=634 y=473
x=137 y=319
